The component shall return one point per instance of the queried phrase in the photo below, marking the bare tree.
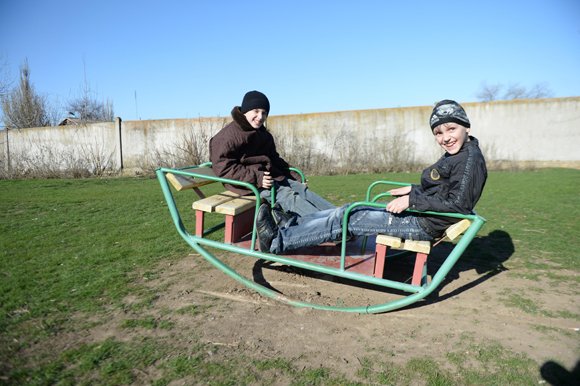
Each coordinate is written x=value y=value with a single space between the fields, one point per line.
x=493 y=92
x=4 y=78
x=540 y=90
x=87 y=108
x=488 y=93
x=515 y=91
x=23 y=107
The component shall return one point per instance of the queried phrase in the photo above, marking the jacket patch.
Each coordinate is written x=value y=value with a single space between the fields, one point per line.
x=435 y=174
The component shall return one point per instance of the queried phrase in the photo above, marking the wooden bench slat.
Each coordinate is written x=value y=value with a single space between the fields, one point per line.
x=181 y=182
x=227 y=202
x=451 y=233
x=209 y=204
x=457 y=229
x=237 y=205
x=407 y=245
x=390 y=241
x=239 y=216
x=417 y=246
x=422 y=248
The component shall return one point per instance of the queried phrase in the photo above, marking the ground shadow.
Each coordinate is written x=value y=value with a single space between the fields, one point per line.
x=556 y=375
x=486 y=255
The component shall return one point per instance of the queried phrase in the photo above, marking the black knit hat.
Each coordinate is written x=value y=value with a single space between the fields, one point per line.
x=448 y=111
x=255 y=100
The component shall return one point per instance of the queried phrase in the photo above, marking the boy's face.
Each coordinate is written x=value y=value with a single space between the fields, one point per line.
x=451 y=136
x=256 y=117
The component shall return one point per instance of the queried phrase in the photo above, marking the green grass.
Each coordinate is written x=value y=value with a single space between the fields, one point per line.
x=72 y=249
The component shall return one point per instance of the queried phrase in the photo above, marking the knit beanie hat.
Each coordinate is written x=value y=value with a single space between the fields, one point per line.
x=448 y=111
x=255 y=100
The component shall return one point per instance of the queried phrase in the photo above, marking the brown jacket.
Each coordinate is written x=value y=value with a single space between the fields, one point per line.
x=240 y=152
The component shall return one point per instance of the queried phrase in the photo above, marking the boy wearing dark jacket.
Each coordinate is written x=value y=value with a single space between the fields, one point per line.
x=453 y=184
x=244 y=150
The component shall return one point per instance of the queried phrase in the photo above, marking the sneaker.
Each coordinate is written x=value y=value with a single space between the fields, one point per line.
x=266 y=227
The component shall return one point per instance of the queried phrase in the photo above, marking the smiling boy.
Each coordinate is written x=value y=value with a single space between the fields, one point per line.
x=453 y=184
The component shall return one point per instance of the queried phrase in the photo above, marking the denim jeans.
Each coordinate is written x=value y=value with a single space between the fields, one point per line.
x=295 y=197
x=323 y=226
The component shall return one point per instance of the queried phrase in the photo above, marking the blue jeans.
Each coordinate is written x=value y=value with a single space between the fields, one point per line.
x=323 y=226
x=295 y=197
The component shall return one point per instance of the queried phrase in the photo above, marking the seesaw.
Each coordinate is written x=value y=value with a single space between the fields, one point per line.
x=363 y=260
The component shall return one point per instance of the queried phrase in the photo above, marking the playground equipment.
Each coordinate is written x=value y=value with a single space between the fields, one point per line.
x=362 y=260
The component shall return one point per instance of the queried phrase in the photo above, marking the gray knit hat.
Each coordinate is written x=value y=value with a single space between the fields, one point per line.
x=448 y=111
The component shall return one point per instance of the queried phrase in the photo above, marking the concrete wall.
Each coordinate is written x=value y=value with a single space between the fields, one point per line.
x=540 y=131
x=62 y=147
x=520 y=130
x=146 y=142
x=331 y=132
x=531 y=130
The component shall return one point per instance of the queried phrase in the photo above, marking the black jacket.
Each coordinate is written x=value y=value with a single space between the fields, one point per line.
x=453 y=184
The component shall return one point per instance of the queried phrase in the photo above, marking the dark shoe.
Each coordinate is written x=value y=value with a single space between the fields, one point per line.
x=281 y=217
x=266 y=227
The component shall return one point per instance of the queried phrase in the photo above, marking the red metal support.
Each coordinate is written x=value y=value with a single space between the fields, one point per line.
x=199 y=217
x=420 y=268
x=380 y=257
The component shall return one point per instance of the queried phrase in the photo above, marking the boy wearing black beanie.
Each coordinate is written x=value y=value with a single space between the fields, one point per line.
x=244 y=150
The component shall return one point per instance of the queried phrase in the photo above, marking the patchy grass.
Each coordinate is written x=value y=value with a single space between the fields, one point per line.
x=72 y=250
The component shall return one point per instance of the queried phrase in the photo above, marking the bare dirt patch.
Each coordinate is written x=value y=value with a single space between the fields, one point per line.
x=476 y=306
x=471 y=308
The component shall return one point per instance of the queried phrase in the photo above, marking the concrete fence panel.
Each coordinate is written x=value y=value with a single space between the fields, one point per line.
x=544 y=132
x=91 y=148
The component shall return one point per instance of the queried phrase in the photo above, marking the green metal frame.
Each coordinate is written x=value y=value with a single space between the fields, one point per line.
x=200 y=244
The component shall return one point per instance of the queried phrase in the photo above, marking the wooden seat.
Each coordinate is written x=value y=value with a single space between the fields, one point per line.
x=421 y=248
x=181 y=182
x=238 y=210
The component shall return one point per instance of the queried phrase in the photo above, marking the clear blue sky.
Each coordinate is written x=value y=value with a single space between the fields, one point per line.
x=184 y=59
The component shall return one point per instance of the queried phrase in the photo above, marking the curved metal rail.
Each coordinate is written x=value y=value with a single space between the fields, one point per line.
x=417 y=293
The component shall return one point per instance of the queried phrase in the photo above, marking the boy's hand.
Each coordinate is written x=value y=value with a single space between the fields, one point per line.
x=267 y=181
x=398 y=205
x=400 y=191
